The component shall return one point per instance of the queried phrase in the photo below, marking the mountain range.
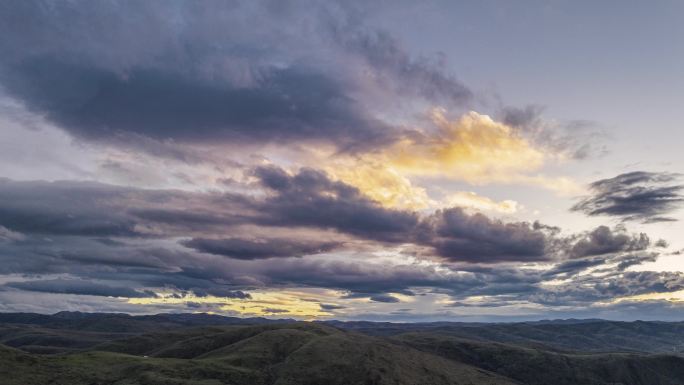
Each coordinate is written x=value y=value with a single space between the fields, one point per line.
x=73 y=348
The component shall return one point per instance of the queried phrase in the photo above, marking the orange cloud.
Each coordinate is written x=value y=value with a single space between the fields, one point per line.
x=474 y=148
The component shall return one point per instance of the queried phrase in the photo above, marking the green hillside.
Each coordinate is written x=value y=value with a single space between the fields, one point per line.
x=541 y=367
x=189 y=350
x=298 y=353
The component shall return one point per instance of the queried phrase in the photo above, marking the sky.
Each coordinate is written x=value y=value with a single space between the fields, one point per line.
x=386 y=161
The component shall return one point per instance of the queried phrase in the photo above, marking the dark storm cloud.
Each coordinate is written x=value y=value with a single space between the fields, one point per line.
x=603 y=240
x=168 y=77
x=94 y=209
x=361 y=279
x=589 y=288
x=393 y=66
x=325 y=306
x=386 y=298
x=478 y=254
x=613 y=264
x=102 y=210
x=103 y=105
x=184 y=71
x=259 y=248
x=62 y=208
x=120 y=265
x=459 y=236
x=311 y=198
x=221 y=292
x=306 y=199
x=629 y=260
x=636 y=196
x=202 y=276
x=80 y=287
x=196 y=219
x=574 y=266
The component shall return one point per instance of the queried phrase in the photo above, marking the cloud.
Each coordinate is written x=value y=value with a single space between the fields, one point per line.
x=576 y=139
x=325 y=306
x=307 y=200
x=272 y=310
x=603 y=240
x=385 y=298
x=184 y=72
x=474 y=148
x=220 y=292
x=635 y=196
x=471 y=200
x=79 y=287
x=391 y=65
x=459 y=236
x=62 y=208
x=311 y=198
x=7 y=235
x=186 y=94
x=591 y=289
x=193 y=305
x=97 y=104
x=381 y=183
x=102 y=210
x=450 y=251
x=259 y=248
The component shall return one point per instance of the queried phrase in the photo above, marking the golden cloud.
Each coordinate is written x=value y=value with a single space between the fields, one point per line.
x=262 y=303
x=469 y=199
x=474 y=148
x=673 y=296
x=382 y=183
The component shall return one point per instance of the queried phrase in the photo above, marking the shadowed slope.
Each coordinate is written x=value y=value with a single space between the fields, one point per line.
x=287 y=354
x=540 y=367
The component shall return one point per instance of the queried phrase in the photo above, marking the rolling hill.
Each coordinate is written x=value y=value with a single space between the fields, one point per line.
x=205 y=349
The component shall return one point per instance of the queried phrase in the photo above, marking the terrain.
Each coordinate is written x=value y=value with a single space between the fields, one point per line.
x=82 y=348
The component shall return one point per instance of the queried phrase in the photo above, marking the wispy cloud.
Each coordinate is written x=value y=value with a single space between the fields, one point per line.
x=636 y=196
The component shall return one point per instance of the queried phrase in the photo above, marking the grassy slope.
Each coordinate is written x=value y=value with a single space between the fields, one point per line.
x=311 y=353
x=298 y=353
x=589 y=335
x=536 y=366
x=599 y=336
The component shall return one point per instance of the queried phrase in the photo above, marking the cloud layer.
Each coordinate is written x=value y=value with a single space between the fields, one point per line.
x=290 y=159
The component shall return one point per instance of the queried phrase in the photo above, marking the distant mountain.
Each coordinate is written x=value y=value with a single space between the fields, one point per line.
x=563 y=335
x=542 y=367
x=121 y=322
x=69 y=331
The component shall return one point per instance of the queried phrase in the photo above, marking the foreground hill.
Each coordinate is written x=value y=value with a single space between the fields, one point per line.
x=298 y=353
x=98 y=349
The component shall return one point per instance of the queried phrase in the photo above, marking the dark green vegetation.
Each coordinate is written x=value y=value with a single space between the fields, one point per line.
x=288 y=353
x=565 y=335
x=88 y=349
